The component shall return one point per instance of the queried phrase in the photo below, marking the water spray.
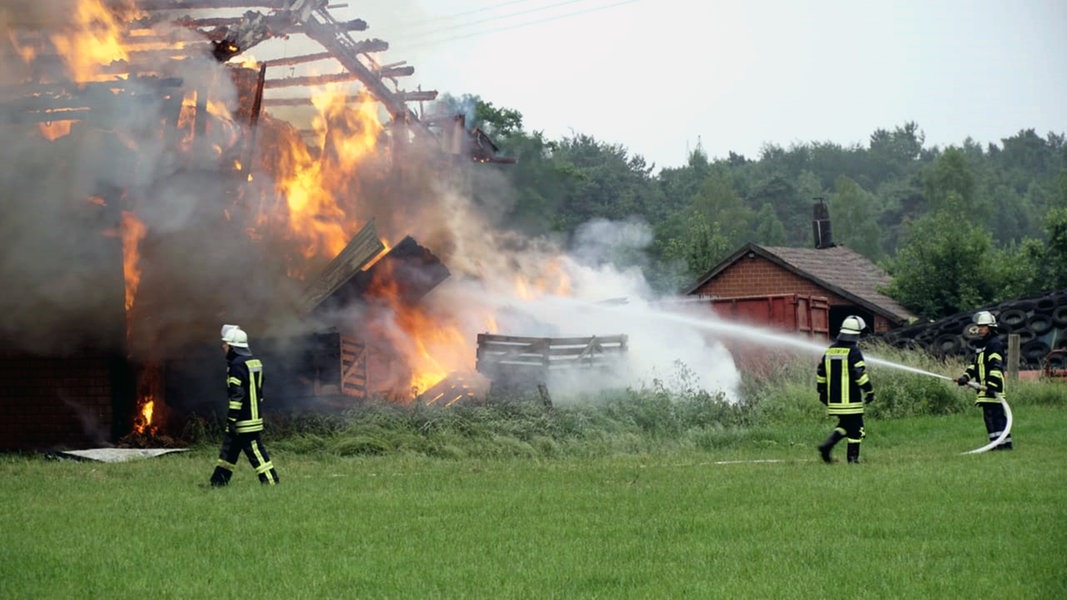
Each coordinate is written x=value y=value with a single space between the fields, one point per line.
x=765 y=336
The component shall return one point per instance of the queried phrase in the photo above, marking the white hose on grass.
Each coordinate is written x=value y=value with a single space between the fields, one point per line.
x=1007 y=413
x=1003 y=434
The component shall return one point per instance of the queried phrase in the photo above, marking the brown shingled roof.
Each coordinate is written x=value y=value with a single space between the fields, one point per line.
x=838 y=268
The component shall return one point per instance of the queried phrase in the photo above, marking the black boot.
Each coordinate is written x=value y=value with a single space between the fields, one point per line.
x=826 y=446
x=220 y=477
x=853 y=452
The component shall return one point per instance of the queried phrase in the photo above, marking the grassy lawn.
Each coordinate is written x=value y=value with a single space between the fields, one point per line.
x=917 y=520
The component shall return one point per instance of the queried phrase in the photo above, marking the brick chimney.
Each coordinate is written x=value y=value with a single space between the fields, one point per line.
x=820 y=226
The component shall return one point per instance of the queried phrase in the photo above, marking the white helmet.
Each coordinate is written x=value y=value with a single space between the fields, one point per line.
x=234 y=336
x=984 y=317
x=851 y=328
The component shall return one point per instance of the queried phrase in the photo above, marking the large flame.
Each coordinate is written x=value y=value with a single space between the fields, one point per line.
x=133 y=232
x=93 y=39
x=312 y=185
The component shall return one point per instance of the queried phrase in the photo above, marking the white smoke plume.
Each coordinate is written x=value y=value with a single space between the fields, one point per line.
x=202 y=264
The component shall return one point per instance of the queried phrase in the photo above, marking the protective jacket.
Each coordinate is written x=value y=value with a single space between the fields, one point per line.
x=841 y=379
x=986 y=369
x=244 y=383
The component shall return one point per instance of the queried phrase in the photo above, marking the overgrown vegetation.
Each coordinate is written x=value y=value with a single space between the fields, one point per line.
x=655 y=417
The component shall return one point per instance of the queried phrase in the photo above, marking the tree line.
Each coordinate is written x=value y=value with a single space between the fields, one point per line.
x=956 y=227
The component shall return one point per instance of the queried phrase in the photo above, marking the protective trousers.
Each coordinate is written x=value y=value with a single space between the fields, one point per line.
x=995 y=422
x=849 y=427
x=252 y=445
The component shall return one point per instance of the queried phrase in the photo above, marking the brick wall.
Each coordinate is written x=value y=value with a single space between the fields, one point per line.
x=757 y=276
x=48 y=402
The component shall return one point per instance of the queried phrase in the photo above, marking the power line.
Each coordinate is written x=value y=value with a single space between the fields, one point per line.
x=432 y=42
x=437 y=20
x=496 y=17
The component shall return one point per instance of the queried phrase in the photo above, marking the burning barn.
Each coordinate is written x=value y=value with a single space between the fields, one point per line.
x=159 y=180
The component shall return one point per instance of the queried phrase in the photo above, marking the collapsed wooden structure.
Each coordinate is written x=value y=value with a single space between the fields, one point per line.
x=514 y=363
x=145 y=74
x=164 y=37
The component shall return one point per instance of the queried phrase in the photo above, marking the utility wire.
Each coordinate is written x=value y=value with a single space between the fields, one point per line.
x=437 y=20
x=432 y=42
x=440 y=28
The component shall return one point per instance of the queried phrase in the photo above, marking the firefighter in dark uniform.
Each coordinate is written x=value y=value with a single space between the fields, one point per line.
x=987 y=371
x=844 y=387
x=244 y=423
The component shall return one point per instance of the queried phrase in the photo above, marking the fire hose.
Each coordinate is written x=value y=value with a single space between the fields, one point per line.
x=1007 y=414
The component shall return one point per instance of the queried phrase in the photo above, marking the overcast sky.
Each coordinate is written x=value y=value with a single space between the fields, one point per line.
x=662 y=76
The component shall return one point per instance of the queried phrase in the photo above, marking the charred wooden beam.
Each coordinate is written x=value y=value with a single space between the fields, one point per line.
x=344 y=49
x=305 y=101
x=418 y=96
x=396 y=71
x=363 y=247
x=209 y=4
x=310 y=80
x=296 y=60
x=409 y=271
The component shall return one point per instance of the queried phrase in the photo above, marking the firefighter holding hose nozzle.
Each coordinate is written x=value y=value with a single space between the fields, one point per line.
x=845 y=388
x=987 y=371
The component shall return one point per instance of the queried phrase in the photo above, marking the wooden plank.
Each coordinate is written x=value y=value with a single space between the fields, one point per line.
x=511 y=357
x=409 y=269
x=364 y=246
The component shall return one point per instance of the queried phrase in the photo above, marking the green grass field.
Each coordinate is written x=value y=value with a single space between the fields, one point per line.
x=699 y=519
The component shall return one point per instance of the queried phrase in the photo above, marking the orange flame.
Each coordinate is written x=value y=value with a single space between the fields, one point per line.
x=133 y=231
x=148 y=389
x=54 y=130
x=93 y=39
x=315 y=188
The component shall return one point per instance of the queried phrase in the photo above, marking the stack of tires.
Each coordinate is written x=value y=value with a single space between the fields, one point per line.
x=1040 y=322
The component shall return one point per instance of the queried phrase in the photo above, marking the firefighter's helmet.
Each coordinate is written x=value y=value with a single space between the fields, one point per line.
x=851 y=328
x=984 y=317
x=234 y=336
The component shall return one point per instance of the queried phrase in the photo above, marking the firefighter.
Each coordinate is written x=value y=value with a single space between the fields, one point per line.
x=845 y=388
x=244 y=422
x=987 y=371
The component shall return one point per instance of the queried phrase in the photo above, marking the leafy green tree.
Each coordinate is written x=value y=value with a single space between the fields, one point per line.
x=700 y=246
x=854 y=220
x=946 y=265
x=717 y=202
x=769 y=231
x=949 y=185
x=897 y=150
x=604 y=182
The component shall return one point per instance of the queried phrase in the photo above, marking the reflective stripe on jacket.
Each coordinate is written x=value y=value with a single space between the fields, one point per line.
x=986 y=369
x=841 y=378
x=244 y=384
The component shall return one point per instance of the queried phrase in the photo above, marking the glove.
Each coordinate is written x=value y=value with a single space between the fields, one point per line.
x=868 y=398
x=231 y=427
x=962 y=380
x=823 y=398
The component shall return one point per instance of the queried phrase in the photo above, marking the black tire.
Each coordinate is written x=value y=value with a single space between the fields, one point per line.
x=1045 y=305
x=1023 y=305
x=1012 y=319
x=947 y=344
x=1025 y=336
x=1059 y=316
x=1033 y=353
x=1039 y=324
